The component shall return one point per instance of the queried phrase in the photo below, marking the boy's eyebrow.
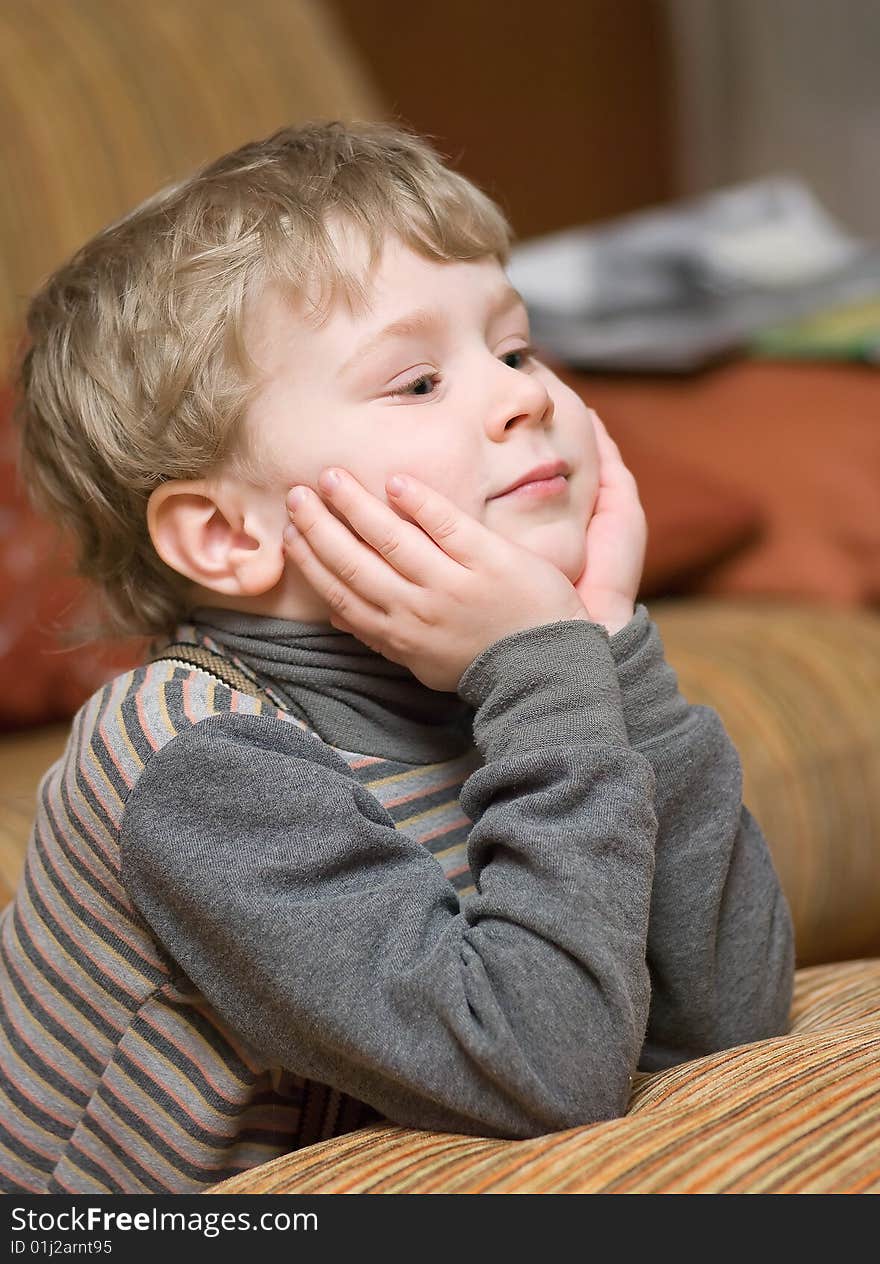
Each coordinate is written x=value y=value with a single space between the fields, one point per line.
x=425 y=318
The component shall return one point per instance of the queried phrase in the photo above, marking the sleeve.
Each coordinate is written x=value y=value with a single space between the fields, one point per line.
x=334 y=944
x=720 y=946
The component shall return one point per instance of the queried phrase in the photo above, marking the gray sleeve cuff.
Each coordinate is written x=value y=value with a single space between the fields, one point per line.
x=652 y=704
x=544 y=686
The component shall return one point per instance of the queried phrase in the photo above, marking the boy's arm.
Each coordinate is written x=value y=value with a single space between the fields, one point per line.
x=334 y=944
x=720 y=940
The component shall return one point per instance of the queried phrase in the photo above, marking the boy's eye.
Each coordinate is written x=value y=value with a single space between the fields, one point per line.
x=415 y=387
x=524 y=353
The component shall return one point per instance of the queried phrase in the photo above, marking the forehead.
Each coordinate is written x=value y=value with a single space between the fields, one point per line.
x=398 y=269
x=400 y=281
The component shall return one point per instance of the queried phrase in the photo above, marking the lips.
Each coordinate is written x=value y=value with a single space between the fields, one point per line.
x=550 y=469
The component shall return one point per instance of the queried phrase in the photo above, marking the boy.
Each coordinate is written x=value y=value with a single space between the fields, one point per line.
x=410 y=820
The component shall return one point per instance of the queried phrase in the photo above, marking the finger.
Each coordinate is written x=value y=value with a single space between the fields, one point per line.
x=608 y=449
x=614 y=474
x=347 y=606
x=406 y=543
x=459 y=535
x=337 y=562
x=401 y=543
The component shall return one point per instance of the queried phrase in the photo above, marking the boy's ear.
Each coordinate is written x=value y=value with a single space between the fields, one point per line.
x=217 y=537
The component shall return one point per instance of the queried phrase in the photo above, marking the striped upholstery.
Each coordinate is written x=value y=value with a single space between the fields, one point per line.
x=105 y=101
x=796 y=1114
x=798 y=689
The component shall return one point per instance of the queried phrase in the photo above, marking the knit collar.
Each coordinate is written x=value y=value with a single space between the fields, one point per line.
x=347 y=693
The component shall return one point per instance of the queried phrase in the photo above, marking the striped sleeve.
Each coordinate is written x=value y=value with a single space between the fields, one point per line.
x=96 y=1037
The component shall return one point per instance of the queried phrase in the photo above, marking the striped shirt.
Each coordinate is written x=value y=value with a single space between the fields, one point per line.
x=117 y=1075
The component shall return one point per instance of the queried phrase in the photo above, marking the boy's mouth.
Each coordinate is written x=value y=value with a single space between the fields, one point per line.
x=539 y=489
x=547 y=479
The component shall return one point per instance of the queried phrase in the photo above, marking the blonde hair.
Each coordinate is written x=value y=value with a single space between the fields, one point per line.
x=136 y=369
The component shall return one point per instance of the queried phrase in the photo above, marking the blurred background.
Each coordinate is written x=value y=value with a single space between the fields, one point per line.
x=696 y=196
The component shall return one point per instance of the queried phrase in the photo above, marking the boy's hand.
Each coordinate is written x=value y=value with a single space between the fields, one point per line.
x=617 y=535
x=430 y=594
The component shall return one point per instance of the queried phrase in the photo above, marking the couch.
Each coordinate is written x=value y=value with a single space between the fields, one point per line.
x=767 y=604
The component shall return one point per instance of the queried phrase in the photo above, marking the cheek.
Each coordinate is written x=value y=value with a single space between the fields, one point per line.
x=448 y=472
x=575 y=421
x=437 y=471
x=591 y=478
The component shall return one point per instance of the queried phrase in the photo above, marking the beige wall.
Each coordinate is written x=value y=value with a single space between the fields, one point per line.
x=782 y=85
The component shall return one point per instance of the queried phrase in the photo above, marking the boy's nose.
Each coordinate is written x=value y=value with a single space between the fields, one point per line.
x=519 y=398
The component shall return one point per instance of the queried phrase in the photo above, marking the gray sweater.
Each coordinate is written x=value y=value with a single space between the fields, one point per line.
x=625 y=910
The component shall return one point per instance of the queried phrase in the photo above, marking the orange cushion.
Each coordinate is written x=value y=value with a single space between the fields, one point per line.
x=799 y=442
x=41 y=678
x=697 y=519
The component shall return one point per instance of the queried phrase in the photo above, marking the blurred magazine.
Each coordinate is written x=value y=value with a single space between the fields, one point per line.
x=671 y=289
x=850 y=332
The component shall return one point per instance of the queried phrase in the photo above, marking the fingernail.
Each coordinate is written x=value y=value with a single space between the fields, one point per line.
x=290 y=533
x=396 y=485
x=329 y=480
x=296 y=497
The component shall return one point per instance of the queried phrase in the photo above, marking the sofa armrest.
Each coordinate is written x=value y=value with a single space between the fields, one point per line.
x=797 y=688
x=799 y=1113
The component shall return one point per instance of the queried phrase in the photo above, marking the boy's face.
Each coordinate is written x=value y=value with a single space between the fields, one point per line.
x=458 y=403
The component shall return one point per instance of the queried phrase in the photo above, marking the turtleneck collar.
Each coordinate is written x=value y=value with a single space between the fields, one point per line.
x=349 y=694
